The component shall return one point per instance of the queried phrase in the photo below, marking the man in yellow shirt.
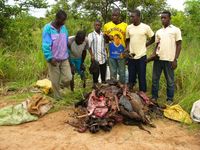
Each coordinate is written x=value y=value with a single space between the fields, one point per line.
x=137 y=34
x=113 y=30
x=168 y=48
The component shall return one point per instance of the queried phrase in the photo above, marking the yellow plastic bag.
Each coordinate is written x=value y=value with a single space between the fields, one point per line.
x=176 y=112
x=45 y=85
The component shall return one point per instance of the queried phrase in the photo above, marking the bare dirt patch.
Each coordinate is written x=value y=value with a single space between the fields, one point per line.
x=52 y=133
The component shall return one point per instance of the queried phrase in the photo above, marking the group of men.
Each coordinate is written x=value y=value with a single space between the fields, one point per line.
x=116 y=45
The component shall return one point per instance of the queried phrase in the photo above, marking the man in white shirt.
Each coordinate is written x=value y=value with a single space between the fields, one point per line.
x=98 y=52
x=136 y=35
x=168 y=46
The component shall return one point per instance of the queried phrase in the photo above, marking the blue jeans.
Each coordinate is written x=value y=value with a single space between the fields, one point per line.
x=137 y=67
x=158 y=67
x=117 y=66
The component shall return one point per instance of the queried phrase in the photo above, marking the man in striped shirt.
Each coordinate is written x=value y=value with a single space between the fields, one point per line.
x=98 y=52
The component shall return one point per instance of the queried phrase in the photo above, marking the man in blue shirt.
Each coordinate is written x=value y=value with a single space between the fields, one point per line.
x=54 y=46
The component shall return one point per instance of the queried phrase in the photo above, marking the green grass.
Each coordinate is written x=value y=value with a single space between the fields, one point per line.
x=69 y=97
x=22 y=68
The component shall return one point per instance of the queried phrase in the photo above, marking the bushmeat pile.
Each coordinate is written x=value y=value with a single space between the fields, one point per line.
x=109 y=105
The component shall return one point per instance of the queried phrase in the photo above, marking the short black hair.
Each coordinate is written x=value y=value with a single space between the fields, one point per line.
x=137 y=12
x=167 y=12
x=98 y=21
x=61 y=14
x=117 y=35
x=80 y=36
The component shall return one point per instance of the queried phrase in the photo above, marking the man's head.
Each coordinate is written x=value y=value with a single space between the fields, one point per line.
x=61 y=17
x=97 y=26
x=165 y=18
x=80 y=37
x=116 y=14
x=135 y=16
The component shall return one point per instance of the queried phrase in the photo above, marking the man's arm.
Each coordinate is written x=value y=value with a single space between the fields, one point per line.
x=127 y=50
x=90 y=42
x=91 y=54
x=84 y=53
x=153 y=56
x=151 y=35
x=151 y=41
x=69 y=46
x=127 y=44
x=71 y=39
x=107 y=38
x=178 y=50
x=105 y=34
x=155 y=49
x=178 y=39
x=46 y=47
x=127 y=40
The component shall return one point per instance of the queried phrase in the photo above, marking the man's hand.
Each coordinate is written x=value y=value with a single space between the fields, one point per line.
x=106 y=37
x=53 y=62
x=131 y=55
x=174 y=64
x=125 y=54
x=153 y=57
x=110 y=37
x=92 y=58
x=82 y=67
x=72 y=69
x=126 y=49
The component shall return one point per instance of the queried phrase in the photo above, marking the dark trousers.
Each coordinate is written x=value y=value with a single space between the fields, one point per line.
x=137 y=67
x=158 y=67
x=102 y=71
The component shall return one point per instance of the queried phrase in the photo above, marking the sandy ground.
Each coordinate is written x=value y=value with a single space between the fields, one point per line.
x=52 y=133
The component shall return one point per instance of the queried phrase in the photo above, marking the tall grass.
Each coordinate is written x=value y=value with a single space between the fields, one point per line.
x=187 y=75
x=22 y=66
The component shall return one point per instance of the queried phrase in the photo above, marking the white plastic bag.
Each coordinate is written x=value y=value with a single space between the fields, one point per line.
x=195 y=112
